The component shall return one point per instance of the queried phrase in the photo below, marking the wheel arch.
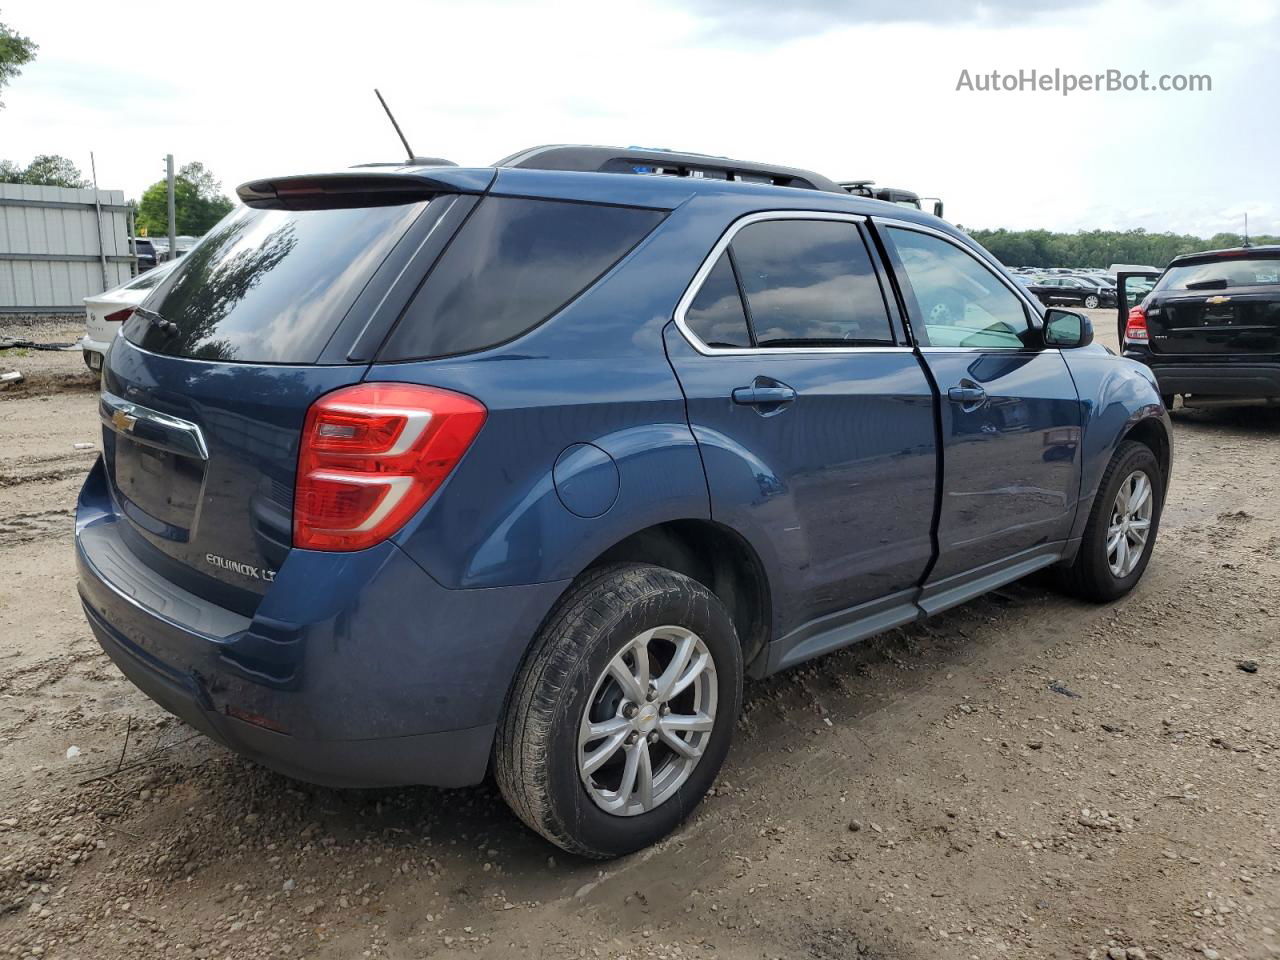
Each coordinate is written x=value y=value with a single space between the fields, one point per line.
x=1152 y=433
x=716 y=556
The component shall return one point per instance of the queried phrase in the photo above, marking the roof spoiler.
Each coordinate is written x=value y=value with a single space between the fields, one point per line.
x=365 y=188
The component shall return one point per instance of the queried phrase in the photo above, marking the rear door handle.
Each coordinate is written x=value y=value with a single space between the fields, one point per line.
x=968 y=394
x=763 y=395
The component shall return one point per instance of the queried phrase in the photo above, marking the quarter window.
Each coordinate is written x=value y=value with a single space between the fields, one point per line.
x=810 y=283
x=512 y=265
x=961 y=302
x=716 y=316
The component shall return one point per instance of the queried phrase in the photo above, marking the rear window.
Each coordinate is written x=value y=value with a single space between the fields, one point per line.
x=270 y=286
x=810 y=283
x=512 y=265
x=1235 y=271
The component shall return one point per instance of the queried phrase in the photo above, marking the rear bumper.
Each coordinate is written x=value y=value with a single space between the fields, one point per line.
x=1209 y=378
x=356 y=670
x=94 y=351
x=452 y=758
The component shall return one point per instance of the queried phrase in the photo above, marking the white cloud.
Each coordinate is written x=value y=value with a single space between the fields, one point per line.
x=260 y=89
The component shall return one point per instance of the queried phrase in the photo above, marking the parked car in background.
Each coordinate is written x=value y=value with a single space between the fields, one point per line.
x=1210 y=327
x=1072 y=290
x=1099 y=279
x=413 y=473
x=145 y=251
x=1117 y=268
x=184 y=244
x=105 y=312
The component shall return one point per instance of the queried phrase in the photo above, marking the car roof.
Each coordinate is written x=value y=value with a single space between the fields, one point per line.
x=654 y=191
x=1267 y=251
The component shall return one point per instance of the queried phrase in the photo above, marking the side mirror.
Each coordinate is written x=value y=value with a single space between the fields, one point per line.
x=937 y=209
x=1066 y=329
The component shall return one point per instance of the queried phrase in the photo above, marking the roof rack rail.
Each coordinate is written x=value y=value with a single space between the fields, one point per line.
x=415 y=162
x=648 y=160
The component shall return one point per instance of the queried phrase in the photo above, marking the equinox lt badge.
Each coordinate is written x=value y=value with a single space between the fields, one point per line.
x=244 y=569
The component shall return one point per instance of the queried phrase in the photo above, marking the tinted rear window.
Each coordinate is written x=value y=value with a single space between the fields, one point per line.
x=270 y=286
x=810 y=283
x=1236 y=271
x=512 y=265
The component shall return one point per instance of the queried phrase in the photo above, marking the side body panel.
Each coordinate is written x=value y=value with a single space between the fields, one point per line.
x=1010 y=465
x=595 y=374
x=840 y=483
x=1117 y=395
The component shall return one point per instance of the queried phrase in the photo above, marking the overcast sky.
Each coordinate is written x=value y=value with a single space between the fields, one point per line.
x=854 y=90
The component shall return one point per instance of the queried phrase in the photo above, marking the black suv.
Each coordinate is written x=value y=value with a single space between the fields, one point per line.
x=1210 y=328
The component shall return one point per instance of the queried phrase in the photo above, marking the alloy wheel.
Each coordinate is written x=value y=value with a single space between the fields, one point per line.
x=648 y=721
x=1130 y=524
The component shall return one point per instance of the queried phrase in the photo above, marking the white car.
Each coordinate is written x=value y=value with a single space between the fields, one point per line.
x=107 y=311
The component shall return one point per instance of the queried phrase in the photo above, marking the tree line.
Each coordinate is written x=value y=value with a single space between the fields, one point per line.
x=1099 y=248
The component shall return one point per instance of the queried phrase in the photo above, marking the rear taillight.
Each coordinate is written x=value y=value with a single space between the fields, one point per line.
x=1136 y=329
x=372 y=455
x=120 y=316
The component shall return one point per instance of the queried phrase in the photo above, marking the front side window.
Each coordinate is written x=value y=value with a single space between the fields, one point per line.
x=810 y=283
x=961 y=302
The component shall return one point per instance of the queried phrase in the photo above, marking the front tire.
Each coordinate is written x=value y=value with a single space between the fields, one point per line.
x=1122 y=527
x=1091 y=302
x=623 y=711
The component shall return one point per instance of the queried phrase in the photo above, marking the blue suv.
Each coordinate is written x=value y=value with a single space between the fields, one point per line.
x=411 y=472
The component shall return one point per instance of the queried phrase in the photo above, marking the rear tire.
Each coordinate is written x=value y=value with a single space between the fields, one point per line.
x=548 y=757
x=1105 y=568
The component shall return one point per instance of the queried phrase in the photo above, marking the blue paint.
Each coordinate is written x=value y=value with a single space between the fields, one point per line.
x=860 y=494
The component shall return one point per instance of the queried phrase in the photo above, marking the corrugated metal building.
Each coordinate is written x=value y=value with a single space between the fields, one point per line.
x=55 y=246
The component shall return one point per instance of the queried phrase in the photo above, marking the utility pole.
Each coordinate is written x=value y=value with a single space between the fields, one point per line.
x=97 y=206
x=173 y=213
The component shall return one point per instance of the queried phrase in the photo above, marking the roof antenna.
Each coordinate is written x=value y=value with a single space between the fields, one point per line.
x=1246 y=229
x=391 y=117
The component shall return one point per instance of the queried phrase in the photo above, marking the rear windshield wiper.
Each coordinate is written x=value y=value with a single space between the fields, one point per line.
x=1217 y=283
x=157 y=321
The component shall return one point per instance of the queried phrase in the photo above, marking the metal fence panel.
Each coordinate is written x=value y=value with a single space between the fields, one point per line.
x=50 y=254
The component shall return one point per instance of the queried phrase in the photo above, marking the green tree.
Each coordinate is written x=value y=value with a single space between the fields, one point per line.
x=47 y=170
x=1098 y=248
x=198 y=201
x=16 y=51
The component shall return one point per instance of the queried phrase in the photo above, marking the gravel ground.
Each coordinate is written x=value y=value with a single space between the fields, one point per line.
x=1025 y=776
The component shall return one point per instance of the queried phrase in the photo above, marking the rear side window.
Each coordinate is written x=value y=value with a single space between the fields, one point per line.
x=512 y=265
x=269 y=286
x=716 y=316
x=810 y=283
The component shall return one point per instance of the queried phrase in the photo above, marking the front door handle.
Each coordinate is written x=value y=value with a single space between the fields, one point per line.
x=761 y=395
x=968 y=394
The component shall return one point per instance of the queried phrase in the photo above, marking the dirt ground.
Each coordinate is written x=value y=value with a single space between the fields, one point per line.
x=1026 y=776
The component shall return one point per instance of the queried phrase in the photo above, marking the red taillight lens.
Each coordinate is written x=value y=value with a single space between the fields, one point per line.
x=371 y=455
x=1136 y=328
x=120 y=316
